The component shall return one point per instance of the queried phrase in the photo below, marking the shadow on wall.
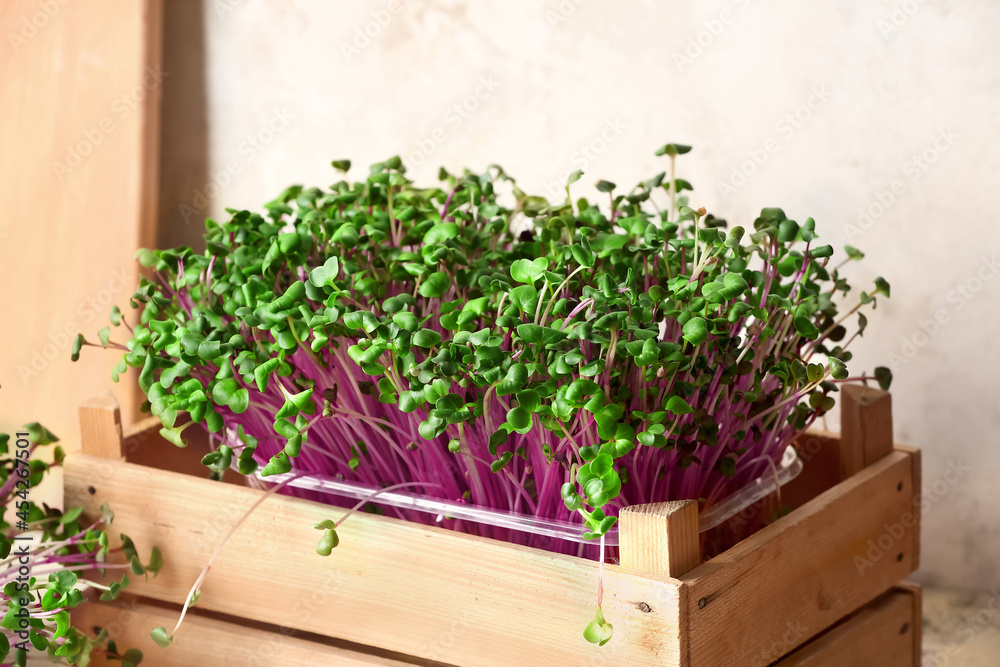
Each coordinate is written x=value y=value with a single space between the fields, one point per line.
x=184 y=127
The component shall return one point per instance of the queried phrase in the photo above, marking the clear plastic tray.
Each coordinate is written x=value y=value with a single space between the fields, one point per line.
x=735 y=503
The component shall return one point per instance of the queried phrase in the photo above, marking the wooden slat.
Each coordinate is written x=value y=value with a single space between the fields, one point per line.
x=820 y=455
x=144 y=445
x=916 y=462
x=660 y=538
x=866 y=427
x=427 y=592
x=917 y=621
x=101 y=428
x=885 y=633
x=811 y=567
x=208 y=641
x=79 y=132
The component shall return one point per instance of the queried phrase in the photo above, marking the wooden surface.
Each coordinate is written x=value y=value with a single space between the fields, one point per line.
x=101 y=428
x=427 y=592
x=771 y=593
x=886 y=633
x=208 y=641
x=866 y=427
x=79 y=129
x=811 y=567
x=916 y=463
x=820 y=455
x=661 y=538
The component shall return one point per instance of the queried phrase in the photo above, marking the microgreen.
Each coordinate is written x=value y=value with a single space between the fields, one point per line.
x=561 y=359
x=497 y=343
x=60 y=549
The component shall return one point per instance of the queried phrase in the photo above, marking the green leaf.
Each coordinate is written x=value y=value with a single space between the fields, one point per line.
x=673 y=149
x=160 y=636
x=805 y=327
x=884 y=377
x=598 y=632
x=173 y=435
x=239 y=402
x=527 y=270
x=435 y=285
x=583 y=256
x=426 y=338
x=262 y=373
x=838 y=369
x=882 y=286
x=528 y=399
x=406 y=321
x=530 y=333
x=678 y=406
x=520 y=419
x=278 y=465
x=733 y=285
x=324 y=275
x=77 y=345
x=155 y=561
x=514 y=381
x=854 y=253
x=695 y=330
x=361 y=319
x=440 y=232
x=328 y=542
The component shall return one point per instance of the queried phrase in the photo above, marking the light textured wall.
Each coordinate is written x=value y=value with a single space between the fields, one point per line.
x=879 y=119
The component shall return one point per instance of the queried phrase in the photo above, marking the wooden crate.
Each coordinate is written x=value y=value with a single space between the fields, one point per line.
x=819 y=586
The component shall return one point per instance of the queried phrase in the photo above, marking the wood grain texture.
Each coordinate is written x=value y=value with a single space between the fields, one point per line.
x=427 y=592
x=78 y=127
x=209 y=641
x=866 y=427
x=916 y=591
x=882 y=634
x=916 y=461
x=101 y=428
x=660 y=538
x=820 y=455
x=803 y=573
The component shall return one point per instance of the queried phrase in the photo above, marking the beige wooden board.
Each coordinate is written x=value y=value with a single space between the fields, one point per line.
x=806 y=571
x=79 y=130
x=421 y=591
x=882 y=634
x=208 y=641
